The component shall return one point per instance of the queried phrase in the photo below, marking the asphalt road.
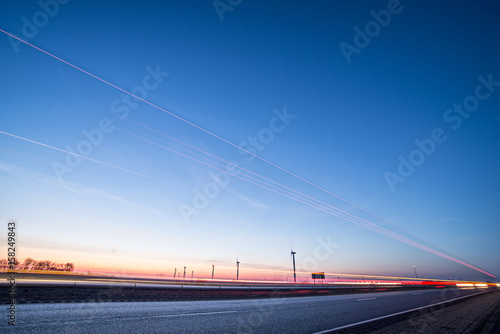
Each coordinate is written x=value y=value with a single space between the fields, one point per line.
x=277 y=315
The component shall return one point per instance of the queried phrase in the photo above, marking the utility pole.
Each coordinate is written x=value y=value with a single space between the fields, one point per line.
x=294 y=274
x=213 y=268
x=184 y=276
x=237 y=269
x=415 y=270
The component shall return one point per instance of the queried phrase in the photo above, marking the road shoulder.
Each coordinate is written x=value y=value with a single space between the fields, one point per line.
x=478 y=315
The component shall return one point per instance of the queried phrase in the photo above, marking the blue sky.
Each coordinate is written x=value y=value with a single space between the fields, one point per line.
x=351 y=121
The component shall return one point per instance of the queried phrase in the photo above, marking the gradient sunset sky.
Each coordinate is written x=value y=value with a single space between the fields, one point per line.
x=277 y=80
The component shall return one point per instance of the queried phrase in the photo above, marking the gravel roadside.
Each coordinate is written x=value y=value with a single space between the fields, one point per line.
x=478 y=315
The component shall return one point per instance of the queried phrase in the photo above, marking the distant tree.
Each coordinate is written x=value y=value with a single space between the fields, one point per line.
x=28 y=263
x=46 y=265
x=57 y=266
x=32 y=264
x=43 y=265
x=14 y=263
x=35 y=265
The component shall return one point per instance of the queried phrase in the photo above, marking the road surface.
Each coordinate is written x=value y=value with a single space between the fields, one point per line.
x=277 y=315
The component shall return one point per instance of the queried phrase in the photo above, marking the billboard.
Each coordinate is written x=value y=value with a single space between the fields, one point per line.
x=318 y=275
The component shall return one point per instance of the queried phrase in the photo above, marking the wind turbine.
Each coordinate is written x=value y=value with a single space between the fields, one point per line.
x=237 y=269
x=294 y=274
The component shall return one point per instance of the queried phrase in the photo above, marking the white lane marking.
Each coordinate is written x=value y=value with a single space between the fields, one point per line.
x=418 y=293
x=363 y=299
x=190 y=314
x=397 y=313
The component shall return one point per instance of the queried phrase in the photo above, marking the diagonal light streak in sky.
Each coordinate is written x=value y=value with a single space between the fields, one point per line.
x=322 y=206
x=195 y=125
x=214 y=135
x=80 y=156
x=305 y=197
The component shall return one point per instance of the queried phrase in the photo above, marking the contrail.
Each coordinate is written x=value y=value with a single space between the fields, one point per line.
x=80 y=156
x=324 y=207
x=196 y=126
x=338 y=212
x=281 y=185
x=199 y=128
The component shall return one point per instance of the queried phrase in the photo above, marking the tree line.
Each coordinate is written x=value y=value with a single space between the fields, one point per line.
x=32 y=264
